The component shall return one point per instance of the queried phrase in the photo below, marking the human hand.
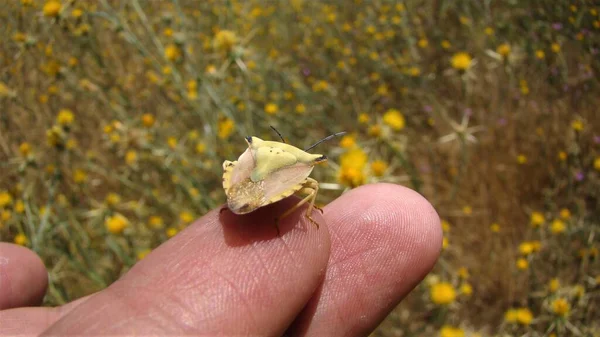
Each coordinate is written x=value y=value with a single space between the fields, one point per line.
x=232 y=275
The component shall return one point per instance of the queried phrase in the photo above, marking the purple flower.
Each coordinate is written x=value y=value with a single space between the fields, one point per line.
x=502 y=121
x=579 y=176
x=468 y=112
x=428 y=108
x=557 y=26
x=597 y=139
x=305 y=71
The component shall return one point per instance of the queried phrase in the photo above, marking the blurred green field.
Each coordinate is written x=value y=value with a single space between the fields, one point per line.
x=117 y=115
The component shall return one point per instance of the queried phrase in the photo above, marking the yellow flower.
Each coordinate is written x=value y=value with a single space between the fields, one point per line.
x=351 y=176
x=445 y=226
x=19 y=207
x=488 y=31
x=171 y=232
x=555 y=47
x=467 y=210
x=363 y=118
x=131 y=157
x=172 y=142
x=445 y=242
x=225 y=40
x=225 y=128
x=565 y=213
x=503 y=49
x=193 y=135
x=71 y=144
x=526 y=248
x=557 y=226
x=5 y=215
x=79 y=176
x=442 y=293
x=172 y=52
x=374 y=130
x=76 y=13
x=414 y=71
x=115 y=137
x=562 y=155
x=186 y=217
x=200 y=147
x=25 y=149
x=320 y=86
x=495 y=228
x=19 y=37
x=148 y=120
x=112 y=199
x=394 y=119
x=355 y=158
x=521 y=159
x=271 y=108
x=5 y=198
x=348 y=141
x=537 y=219
x=192 y=94
x=597 y=164
x=577 y=125
x=553 y=285
x=524 y=316
x=522 y=264
x=540 y=54
x=155 y=222
x=65 y=117
x=561 y=307
x=423 y=43
x=510 y=315
x=20 y=239
x=52 y=8
x=378 y=168
x=116 y=224
x=461 y=61
x=143 y=253
x=446 y=44
x=466 y=289
x=450 y=331
x=300 y=108
x=463 y=273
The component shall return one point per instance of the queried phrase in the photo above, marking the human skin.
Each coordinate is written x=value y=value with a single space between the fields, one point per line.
x=232 y=275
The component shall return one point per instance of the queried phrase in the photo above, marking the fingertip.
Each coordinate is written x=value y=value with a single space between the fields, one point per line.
x=405 y=221
x=23 y=277
x=385 y=239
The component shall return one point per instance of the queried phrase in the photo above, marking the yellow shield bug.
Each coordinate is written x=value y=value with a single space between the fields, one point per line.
x=270 y=171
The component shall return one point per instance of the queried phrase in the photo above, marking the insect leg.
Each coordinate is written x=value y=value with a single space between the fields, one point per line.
x=311 y=194
x=312 y=186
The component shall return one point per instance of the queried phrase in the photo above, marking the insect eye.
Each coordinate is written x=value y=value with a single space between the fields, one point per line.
x=249 y=139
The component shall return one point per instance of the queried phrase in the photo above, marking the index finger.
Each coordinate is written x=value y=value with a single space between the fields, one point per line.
x=224 y=274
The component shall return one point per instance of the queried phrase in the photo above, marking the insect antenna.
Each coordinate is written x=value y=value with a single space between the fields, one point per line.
x=280 y=136
x=326 y=139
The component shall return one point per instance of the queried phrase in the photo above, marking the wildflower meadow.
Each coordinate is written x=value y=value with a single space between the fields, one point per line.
x=116 y=117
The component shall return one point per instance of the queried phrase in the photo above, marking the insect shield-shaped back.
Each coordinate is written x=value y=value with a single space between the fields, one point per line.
x=265 y=173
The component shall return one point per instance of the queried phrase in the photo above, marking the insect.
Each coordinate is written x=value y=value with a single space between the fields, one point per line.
x=270 y=171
